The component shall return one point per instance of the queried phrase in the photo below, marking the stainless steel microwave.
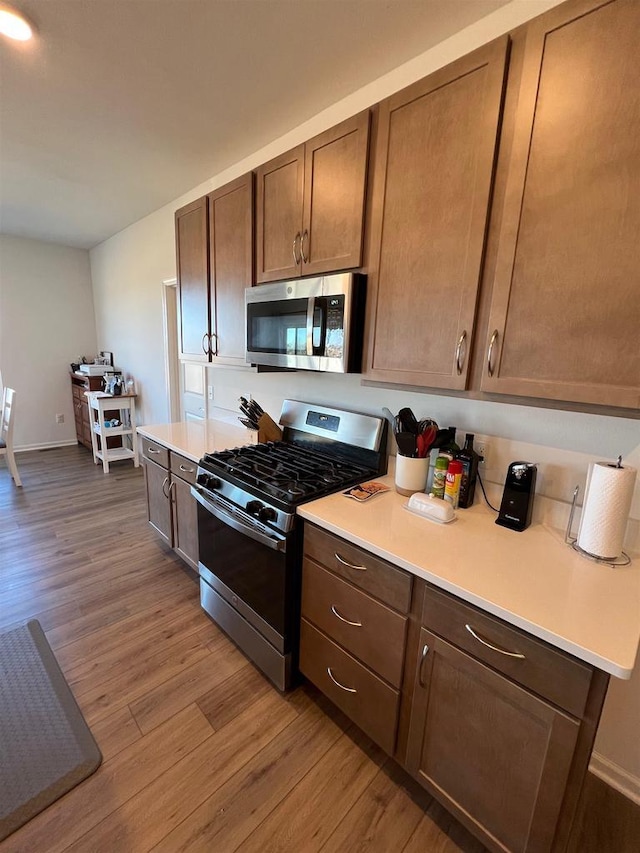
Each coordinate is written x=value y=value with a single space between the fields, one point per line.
x=308 y=324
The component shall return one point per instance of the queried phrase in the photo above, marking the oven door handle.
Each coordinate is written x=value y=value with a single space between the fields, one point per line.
x=245 y=529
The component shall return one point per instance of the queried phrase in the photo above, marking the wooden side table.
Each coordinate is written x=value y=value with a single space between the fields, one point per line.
x=125 y=404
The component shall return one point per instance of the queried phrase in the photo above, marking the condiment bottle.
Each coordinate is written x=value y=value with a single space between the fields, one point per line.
x=448 y=447
x=469 y=459
x=452 y=484
x=439 y=476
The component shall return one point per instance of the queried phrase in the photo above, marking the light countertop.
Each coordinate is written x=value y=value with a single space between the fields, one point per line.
x=531 y=579
x=195 y=438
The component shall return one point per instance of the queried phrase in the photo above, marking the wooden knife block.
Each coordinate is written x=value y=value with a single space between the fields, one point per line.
x=268 y=429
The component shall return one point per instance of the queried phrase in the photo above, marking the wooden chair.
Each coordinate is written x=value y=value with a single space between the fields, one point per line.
x=6 y=432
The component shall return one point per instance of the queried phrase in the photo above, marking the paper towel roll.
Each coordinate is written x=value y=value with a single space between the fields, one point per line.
x=606 y=509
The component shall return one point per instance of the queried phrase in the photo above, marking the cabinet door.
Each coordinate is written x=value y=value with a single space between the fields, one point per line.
x=497 y=756
x=279 y=194
x=158 y=505
x=192 y=259
x=334 y=197
x=565 y=314
x=185 y=522
x=432 y=181
x=231 y=265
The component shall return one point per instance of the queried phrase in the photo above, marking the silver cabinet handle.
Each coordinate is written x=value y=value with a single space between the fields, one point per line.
x=337 y=683
x=494 y=338
x=460 y=364
x=171 y=486
x=296 y=257
x=493 y=648
x=213 y=350
x=164 y=483
x=342 y=619
x=153 y=450
x=204 y=349
x=305 y=236
x=187 y=470
x=423 y=657
x=348 y=565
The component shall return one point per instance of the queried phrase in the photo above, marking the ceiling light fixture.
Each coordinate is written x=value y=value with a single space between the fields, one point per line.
x=14 y=25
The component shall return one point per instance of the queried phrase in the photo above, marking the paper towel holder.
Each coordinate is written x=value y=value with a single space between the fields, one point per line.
x=622 y=560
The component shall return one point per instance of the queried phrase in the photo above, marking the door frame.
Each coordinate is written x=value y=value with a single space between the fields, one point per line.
x=170 y=335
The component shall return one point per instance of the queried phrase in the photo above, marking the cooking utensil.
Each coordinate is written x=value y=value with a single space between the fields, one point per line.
x=408 y=421
x=248 y=423
x=406 y=442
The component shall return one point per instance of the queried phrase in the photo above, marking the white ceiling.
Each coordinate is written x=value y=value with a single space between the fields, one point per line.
x=120 y=106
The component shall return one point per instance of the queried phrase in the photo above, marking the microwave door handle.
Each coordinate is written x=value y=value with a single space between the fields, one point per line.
x=239 y=526
x=314 y=303
x=311 y=307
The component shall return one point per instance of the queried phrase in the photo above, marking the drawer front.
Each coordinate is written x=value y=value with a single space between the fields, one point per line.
x=78 y=392
x=183 y=467
x=375 y=576
x=155 y=452
x=549 y=672
x=364 y=698
x=377 y=635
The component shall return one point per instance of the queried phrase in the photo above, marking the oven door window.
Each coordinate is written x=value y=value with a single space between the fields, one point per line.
x=278 y=327
x=253 y=572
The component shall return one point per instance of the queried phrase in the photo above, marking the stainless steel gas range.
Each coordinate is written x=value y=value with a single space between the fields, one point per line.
x=250 y=539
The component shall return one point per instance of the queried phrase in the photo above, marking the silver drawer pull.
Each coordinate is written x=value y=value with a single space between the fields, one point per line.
x=493 y=648
x=186 y=470
x=337 y=683
x=348 y=565
x=342 y=619
x=423 y=657
x=153 y=450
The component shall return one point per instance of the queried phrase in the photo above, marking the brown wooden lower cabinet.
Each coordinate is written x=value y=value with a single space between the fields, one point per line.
x=172 y=511
x=497 y=725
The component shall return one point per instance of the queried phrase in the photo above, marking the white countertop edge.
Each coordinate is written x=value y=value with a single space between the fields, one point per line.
x=619 y=671
x=193 y=439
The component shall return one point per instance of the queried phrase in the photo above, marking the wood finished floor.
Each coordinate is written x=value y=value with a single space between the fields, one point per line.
x=200 y=752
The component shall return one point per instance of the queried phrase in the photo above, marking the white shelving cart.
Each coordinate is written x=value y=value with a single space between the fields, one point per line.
x=125 y=405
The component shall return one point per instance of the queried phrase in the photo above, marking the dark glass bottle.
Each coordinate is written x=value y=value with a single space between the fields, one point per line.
x=449 y=447
x=469 y=459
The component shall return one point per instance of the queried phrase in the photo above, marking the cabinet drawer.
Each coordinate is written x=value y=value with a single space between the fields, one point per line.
x=363 y=697
x=155 y=452
x=377 y=636
x=550 y=673
x=182 y=467
x=375 y=576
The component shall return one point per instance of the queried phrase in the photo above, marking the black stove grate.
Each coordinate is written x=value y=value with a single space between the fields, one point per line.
x=284 y=471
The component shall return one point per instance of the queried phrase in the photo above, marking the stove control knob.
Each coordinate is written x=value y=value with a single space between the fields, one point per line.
x=208 y=481
x=267 y=514
x=254 y=507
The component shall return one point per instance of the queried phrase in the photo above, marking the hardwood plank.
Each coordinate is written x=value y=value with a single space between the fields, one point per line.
x=384 y=818
x=225 y=701
x=188 y=686
x=144 y=820
x=307 y=815
x=225 y=819
x=115 y=732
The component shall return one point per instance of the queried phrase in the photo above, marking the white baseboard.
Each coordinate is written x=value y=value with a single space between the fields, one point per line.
x=48 y=445
x=615 y=776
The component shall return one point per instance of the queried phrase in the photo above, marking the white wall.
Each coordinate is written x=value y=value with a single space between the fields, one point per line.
x=127 y=273
x=46 y=322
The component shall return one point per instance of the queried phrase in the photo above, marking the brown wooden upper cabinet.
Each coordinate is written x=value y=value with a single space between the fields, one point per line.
x=431 y=189
x=310 y=205
x=565 y=312
x=214 y=249
x=192 y=262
